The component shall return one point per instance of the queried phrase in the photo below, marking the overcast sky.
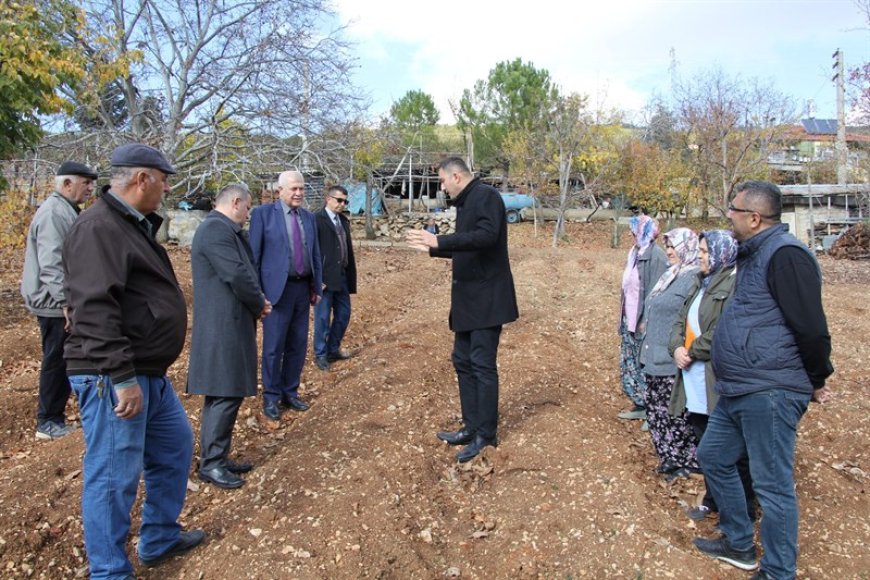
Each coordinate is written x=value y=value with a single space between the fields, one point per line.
x=616 y=51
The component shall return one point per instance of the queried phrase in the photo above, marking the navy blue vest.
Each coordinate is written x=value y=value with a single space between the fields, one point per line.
x=753 y=347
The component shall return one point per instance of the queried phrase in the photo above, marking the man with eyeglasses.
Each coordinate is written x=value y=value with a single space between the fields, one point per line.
x=332 y=313
x=771 y=356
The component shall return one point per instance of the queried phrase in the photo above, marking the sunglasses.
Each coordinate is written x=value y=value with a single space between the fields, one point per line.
x=340 y=199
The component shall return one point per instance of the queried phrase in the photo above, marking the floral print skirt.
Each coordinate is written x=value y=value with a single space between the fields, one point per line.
x=633 y=384
x=673 y=437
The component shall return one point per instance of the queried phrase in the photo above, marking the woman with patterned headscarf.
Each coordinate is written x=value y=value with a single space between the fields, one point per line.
x=672 y=437
x=646 y=263
x=693 y=397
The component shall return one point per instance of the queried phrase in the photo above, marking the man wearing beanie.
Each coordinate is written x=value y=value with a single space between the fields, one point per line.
x=128 y=322
x=42 y=289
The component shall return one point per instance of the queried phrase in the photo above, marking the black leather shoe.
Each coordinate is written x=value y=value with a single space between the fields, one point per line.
x=322 y=363
x=297 y=404
x=221 y=477
x=271 y=411
x=240 y=467
x=339 y=355
x=460 y=437
x=474 y=448
x=186 y=542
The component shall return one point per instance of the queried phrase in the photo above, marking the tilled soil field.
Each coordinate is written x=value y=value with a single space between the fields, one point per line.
x=359 y=487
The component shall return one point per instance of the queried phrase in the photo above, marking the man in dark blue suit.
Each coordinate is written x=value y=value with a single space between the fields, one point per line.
x=287 y=255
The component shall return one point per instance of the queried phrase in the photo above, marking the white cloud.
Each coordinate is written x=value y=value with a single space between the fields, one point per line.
x=618 y=51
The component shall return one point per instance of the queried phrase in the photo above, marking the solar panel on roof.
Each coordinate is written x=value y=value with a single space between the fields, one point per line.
x=820 y=126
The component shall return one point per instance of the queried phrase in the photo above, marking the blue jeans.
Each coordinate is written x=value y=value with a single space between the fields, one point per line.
x=763 y=427
x=328 y=333
x=160 y=441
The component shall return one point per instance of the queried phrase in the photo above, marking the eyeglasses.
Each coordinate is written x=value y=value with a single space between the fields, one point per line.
x=731 y=208
x=741 y=210
x=340 y=199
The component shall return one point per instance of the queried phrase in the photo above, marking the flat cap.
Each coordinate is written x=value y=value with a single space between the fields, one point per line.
x=139 y=155
x=75 y=168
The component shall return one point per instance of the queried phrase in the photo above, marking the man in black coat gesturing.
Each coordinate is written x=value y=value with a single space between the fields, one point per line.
x=482 y=299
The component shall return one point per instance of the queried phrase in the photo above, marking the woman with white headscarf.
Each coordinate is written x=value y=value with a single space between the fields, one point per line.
x=672 y=437
x=646 y=263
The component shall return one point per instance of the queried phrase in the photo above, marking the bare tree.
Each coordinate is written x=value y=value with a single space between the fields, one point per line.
x=203 y=77
x=729 y=125
x=568 y=128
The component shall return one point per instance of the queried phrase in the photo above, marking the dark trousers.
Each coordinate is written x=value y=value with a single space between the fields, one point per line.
x=54 y=389
x=285 y=342
x=474 y=358
x=216 y=430
x=699 y=422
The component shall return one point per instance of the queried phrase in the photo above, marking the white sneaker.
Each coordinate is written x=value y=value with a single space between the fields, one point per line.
x=49 y=431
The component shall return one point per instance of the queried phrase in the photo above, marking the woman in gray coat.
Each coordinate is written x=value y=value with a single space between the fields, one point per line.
x=227 y=302
x=672 y=436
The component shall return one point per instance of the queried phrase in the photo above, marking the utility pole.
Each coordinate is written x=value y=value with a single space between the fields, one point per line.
x=842 y=151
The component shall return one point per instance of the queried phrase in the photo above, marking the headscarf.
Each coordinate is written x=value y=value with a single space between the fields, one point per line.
x=722 y=250
x=645 y=230
x=685 y=243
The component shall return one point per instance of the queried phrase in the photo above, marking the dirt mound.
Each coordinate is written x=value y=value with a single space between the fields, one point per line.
x=359 y=487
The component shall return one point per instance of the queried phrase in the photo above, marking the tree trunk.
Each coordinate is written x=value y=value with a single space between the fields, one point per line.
x=614 y=236
x=370 y=225
x=564 y=174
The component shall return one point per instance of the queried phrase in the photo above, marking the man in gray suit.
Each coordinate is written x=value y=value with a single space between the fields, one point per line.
x=227 y=302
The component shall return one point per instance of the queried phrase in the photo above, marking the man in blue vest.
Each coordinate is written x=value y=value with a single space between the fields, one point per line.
x=771 y=355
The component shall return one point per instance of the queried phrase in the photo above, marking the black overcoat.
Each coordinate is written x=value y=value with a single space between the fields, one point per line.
x=227 y=301
x=482 y=294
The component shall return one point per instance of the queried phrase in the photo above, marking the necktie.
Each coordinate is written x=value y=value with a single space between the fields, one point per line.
x=298 y=248
x=342 y=241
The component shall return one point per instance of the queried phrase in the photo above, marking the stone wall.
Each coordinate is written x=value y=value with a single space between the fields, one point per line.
x=181 y=225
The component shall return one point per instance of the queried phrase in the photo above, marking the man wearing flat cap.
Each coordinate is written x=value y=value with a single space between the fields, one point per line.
x=42 y=289
x=128 y=321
